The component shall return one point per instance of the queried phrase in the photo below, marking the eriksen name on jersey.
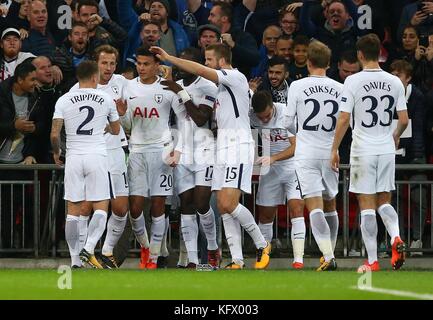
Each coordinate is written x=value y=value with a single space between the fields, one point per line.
x=323 y=89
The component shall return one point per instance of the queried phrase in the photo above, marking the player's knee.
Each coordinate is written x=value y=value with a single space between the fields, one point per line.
x=226 y=205
x=187 y=208
x=202 y=207
x=86 y=209
x=329 y=205
x=135 y=210
x=120 y=210
x=264 y=219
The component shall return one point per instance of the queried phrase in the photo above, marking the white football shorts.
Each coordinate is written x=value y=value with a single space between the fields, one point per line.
x=189 y=176
x=276 y=186
x=316 y=178
x=87 y=178
x=372 y=174
x=149 y=175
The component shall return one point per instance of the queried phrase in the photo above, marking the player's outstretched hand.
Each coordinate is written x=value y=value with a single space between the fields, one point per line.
x=396 y=140
x=160 y=53
x=335 y=161
x=265 y=161
x=57 y=159
x=173 y=159
x=121 y=106
x=172 y=86
x=254 y=83
x=29 y=160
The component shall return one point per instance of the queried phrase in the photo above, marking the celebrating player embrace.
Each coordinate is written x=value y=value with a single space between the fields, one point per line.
x=235 y=148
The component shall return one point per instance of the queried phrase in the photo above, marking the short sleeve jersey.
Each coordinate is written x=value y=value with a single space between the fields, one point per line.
x=314 y=101
x=85 y=112
x=202 y=92
x=148 y=115
x=113 y=88
x=232 y=109
x=275 y=132
x=372 y=96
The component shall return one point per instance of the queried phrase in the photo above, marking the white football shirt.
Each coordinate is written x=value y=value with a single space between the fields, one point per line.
x=372 y=96
x=85 y=112
x=148 y=115
x=198 y=139
x=232 y=109
x=275 y=132
x=314 y=100
x=114 y=88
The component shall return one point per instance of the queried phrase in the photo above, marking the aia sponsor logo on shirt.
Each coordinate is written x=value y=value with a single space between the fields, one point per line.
x=146 y=112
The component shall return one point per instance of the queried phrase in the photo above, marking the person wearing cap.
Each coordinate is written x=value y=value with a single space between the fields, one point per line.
x=208 y=34
x=11 y=53
x=173 y=37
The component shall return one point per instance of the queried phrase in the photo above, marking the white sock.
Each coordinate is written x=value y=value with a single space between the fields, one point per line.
x=164 y=249
x=96 y=230
x=332 y=220
x=115 y=227
x=298 y=239
x=83 y=227
x=232 y=230
x=267 y=230
x=190 y=235
x=207 y=221
x=390 y=220
x=157 y=233
x=72 y=238
x=183 y=254
x=369 y=233
x=139 y=227
x=246 y=219
x=321 y=233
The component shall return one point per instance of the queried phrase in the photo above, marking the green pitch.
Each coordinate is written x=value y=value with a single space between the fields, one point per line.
x=188 y=284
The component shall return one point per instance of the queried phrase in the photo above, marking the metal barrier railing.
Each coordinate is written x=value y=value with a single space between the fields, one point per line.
x=44 y=237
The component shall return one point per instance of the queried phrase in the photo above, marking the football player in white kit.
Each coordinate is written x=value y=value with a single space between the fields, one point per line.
x=234 y=150
x=278 y=181
x=152 y=152
x=314 y=100
x=371 y=98
x=193 y=175
x=106 y=57
x=84 y=113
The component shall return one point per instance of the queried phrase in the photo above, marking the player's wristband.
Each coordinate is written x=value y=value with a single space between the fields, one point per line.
x=184 y=96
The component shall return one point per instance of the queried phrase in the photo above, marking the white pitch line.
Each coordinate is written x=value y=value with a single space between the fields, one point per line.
x=399 y=293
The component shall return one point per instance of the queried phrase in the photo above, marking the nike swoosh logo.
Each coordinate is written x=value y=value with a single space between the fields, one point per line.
x=130 y=98
x=207 y=179
x=229 y=181
x=295 y=234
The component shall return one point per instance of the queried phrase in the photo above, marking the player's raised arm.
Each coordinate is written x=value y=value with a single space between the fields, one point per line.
x=201 y=113
x=187 y=65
